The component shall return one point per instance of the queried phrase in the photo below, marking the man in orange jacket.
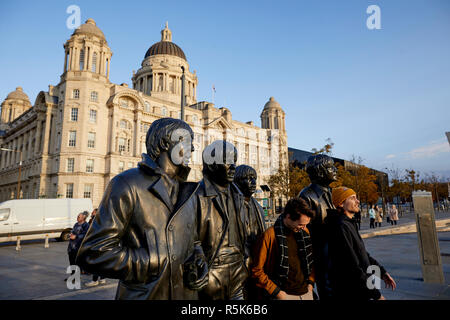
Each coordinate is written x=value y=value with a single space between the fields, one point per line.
x=282 y=258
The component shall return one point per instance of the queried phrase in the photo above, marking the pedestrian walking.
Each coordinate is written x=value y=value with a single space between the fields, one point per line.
x=76 y=237
x=372 y=217
x=282 y=258
x=349 y=261
x=393 y=214
x=378 y=216
x=96 y=279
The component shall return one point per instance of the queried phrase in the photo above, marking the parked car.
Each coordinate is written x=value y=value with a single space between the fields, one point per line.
x=37 y=218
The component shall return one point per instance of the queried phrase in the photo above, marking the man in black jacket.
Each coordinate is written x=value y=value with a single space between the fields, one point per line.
x=350 y=265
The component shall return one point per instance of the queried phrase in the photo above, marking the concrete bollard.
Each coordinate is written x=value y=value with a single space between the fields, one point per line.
x=46 y=241
x=430 y=254
x=18 y=247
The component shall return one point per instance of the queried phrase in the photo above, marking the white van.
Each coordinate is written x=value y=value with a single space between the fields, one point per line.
x=37 y=218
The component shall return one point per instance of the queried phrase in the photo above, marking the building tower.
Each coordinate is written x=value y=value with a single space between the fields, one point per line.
x=87 y=54
x=273 y=116
x=15 y=104
x=160 y=72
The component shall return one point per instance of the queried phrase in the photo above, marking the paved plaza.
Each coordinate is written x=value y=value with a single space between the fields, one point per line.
x=38 y=273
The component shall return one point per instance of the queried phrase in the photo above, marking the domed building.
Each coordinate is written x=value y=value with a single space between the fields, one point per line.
x=16 y=103
x=85 y=130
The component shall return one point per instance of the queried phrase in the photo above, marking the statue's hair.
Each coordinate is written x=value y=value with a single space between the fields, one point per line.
x=243 y=171
x=316 y=163
x=220 y=146
x=159 y=134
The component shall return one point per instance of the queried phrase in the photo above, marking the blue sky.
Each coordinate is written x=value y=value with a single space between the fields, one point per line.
x=382 y=94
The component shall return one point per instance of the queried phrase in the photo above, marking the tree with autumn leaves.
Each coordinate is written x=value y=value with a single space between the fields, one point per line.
x=291 y=179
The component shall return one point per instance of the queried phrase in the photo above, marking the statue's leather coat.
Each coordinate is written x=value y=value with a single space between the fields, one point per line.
x=140 y=237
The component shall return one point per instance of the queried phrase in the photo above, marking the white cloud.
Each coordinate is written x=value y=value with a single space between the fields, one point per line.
x=390 y=156
x=431 y=150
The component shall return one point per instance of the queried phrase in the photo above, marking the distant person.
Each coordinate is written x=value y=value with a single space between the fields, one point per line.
x=372 y=217
x=378 y=216
x=282 y=258
x=348 y=259
x=76 y=236
x=358 y=219
x=96 y=279
x=393 y=214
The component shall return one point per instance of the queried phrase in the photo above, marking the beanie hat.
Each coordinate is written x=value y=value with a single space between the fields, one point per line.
x=340 y=194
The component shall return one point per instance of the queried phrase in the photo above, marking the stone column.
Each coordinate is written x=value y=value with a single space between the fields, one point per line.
x=137 y=128
x=144 y=89
x=30 y=142
x=65 y=61
x=71 y=58
x=166 y=82
x=24 y=146
x=87 y=56
x=101 y=64
x=47 y=131
x=109 y=62
x=38 y=134
x=430 y=254
x=113 y=130
x=15 y=145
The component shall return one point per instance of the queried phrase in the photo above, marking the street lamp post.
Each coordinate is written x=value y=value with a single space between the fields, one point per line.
x=20 y=169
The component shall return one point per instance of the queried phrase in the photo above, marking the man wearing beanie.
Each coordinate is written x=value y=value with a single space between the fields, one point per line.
x=348 y=259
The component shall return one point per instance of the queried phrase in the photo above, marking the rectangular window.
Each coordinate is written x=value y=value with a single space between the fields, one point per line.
x=90 y=165
x=76 y=94
x=130 y=164
x=74 y=114
x=91 y=140
x=121 y=166
x=94 y=96
x=121 y=144
x=72 y=138
x=87 y=191
x=70 y=164
x=93 y=116
x=69 y=190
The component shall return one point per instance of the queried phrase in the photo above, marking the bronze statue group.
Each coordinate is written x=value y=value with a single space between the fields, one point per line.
x=166 y=238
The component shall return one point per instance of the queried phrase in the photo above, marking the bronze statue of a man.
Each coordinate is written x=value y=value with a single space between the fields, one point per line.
x=144 y=232
x=245 y=178
x=322 y=172
x=222 y=230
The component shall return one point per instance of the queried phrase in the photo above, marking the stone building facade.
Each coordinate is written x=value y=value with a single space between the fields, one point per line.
x=84 y=130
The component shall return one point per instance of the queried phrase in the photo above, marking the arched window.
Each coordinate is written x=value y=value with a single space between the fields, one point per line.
x=106 y=69
x=82 y=59
x=94 y=62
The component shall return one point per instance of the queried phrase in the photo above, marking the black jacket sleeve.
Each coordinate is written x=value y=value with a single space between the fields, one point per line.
x=375 y=262
x=347 y=264
x=102 y=251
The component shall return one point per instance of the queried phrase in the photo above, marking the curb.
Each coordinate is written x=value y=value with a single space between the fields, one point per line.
x=442 y=225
